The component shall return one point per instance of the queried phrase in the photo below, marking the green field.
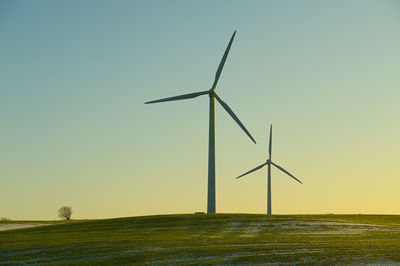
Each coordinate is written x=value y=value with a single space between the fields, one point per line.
x=208 y=239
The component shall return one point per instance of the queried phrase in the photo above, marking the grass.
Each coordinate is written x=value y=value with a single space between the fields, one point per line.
x=208 y=239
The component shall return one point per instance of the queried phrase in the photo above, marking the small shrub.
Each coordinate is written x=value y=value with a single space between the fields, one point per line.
x=65 y=213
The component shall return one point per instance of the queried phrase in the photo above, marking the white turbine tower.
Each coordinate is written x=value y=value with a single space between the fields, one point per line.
x=269 y=163
x=211 y=143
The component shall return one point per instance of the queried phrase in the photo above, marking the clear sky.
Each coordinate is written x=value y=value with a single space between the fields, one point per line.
x=74 y=76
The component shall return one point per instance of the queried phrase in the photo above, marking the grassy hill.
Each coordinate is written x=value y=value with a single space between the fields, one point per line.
x=207 y=239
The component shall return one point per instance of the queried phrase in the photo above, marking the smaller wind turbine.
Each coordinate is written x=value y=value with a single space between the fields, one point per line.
x=269 y=162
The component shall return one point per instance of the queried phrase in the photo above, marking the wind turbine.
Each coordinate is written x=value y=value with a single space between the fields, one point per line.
x=211 y=141
x=269 y=163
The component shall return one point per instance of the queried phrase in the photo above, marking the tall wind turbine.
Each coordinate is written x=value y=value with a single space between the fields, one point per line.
x=211 y=141
x=269 y=163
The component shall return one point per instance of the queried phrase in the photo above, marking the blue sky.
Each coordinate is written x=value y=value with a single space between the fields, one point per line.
x=75 y=131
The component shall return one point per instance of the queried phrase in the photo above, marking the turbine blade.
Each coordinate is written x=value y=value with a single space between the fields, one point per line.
x=270 y=142
x=180 y=97
x=222 y=63
x=232 y=114
x=255 y=169
x=286 y=172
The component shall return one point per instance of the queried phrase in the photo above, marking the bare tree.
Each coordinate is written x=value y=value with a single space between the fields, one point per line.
x=65 y=213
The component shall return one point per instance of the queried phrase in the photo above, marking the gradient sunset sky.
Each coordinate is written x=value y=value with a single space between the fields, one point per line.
x=75 y=130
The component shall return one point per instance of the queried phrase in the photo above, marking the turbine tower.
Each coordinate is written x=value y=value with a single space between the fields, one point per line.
x=269 y=163
x=211 y=137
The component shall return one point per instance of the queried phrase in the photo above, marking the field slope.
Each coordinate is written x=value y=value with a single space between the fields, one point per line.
x=208 y=239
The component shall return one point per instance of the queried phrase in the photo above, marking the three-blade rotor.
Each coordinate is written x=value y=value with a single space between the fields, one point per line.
x=269 y=162
x=211 y=92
